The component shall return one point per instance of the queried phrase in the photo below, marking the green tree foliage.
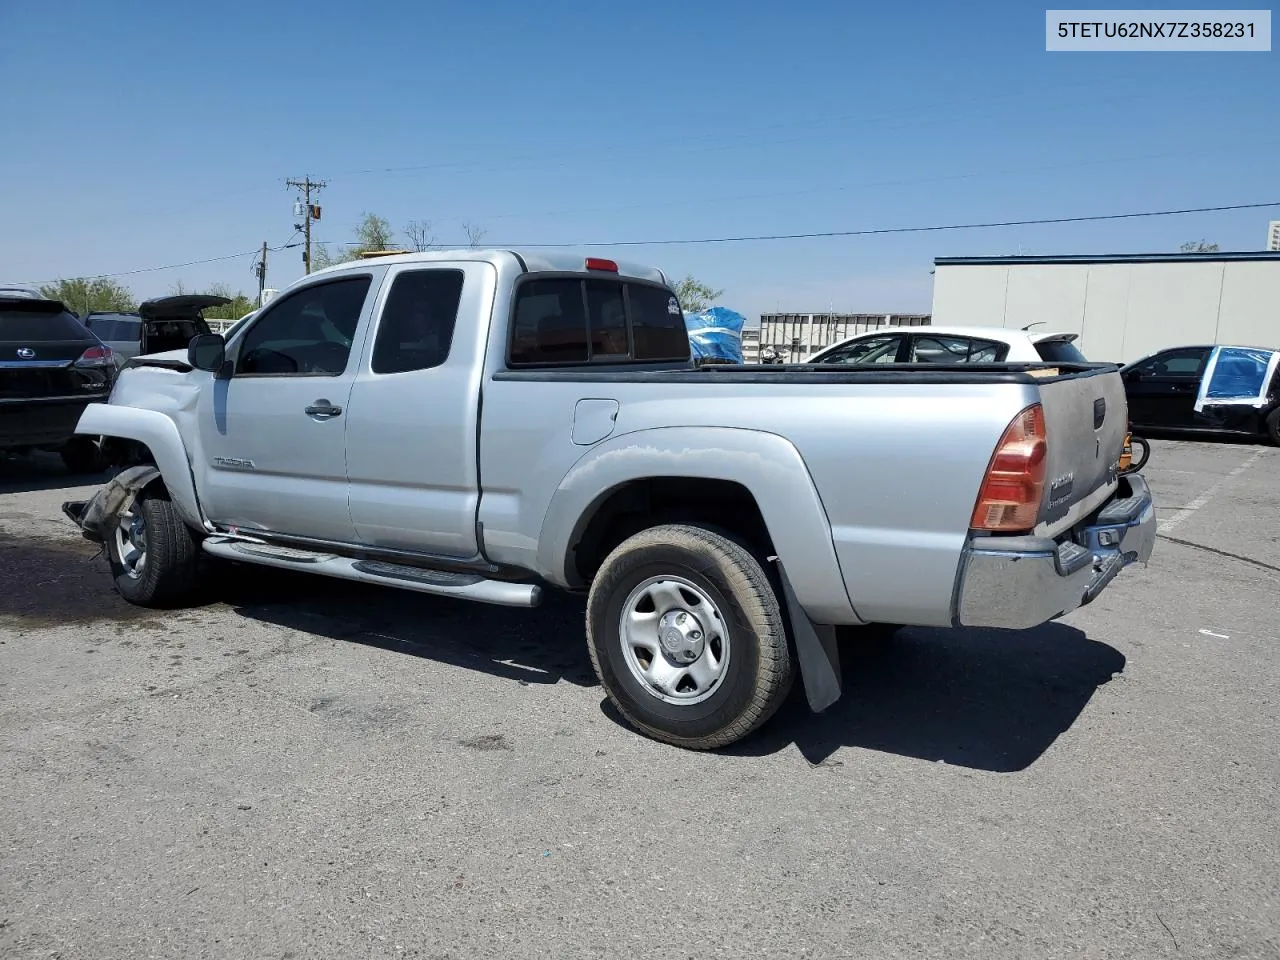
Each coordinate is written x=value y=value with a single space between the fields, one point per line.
x=91 y=296
x=373 y=233
x=694 y=295
x=240 y=303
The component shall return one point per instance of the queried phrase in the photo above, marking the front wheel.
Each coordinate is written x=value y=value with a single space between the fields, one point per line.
x=687 y=637
x=154 y=556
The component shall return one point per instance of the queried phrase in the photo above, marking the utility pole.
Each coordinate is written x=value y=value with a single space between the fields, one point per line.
x=310 y=212
x=260 y=268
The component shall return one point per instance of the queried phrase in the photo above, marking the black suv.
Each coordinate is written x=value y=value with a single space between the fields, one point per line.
x=51 y=368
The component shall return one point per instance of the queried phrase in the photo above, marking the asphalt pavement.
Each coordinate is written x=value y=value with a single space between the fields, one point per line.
x=310 y=769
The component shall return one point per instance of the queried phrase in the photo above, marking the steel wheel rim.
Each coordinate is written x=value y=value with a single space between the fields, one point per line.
x=675 y=640
x=131 y=541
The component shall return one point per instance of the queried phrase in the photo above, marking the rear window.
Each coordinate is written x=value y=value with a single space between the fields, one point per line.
x=1059 y=351
x=31 y=326
x=572 y=320
x=115 y=328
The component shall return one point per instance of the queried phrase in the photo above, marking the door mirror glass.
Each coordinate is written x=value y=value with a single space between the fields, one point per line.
x=207 y=352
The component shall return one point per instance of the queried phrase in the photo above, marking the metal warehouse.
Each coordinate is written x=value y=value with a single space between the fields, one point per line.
x=1124 y=306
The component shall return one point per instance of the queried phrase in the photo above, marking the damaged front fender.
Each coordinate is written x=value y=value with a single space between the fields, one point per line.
x=94 y=516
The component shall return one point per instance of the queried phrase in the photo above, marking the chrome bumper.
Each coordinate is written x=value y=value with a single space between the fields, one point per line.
x=1020 y=582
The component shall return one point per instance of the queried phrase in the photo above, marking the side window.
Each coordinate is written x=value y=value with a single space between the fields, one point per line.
x=307 y=333
x=1185 y=364
x=416 y=328
x=940 y=349
x=657 y=324
x=870 y=350
x=549 y=325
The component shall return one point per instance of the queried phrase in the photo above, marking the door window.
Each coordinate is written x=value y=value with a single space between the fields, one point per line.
x=871 y=350
x=1183 y=364
x=306 y=333
x=940 y=349
x=416 y=329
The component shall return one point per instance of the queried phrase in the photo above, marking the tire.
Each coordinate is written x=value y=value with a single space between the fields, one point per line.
x=1139 y=462
x=744 y=670
x=1273 y=426
x=168 y=572
x=83 y=455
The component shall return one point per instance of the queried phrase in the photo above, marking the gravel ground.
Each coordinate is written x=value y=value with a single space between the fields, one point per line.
x=309 y=769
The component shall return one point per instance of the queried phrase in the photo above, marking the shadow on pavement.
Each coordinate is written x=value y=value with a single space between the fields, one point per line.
x=41 y=471
x=544 y=645
x=990 y=700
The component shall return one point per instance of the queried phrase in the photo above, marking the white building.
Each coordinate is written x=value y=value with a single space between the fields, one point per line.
x=1124 y=306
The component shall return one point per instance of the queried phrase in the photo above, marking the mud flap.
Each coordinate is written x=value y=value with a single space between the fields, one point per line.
x=816 y=650
x=92 y=517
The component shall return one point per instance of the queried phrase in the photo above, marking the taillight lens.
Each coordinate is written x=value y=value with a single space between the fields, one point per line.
x=95 y=357
x=1009 y=501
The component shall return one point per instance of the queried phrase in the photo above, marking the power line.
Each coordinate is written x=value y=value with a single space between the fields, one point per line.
x=878 y=231
x=872 y=231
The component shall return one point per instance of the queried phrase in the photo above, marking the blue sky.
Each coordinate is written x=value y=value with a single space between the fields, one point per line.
x=143 y=134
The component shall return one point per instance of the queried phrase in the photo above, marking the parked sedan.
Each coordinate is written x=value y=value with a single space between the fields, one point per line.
x=929 y=344
x=1206 y=389
x=51 y=368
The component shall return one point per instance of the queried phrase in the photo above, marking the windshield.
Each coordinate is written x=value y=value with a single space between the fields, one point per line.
x=1059 y=351
x=39 y=325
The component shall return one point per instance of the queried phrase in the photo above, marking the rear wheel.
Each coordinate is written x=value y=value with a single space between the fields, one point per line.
x=1273 y=426
x=687 y=636
x=83 y=455
x=154 y=556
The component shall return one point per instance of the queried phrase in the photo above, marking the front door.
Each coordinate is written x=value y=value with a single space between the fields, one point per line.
x=1161 y=390
x=273 y=433
x=412 y=429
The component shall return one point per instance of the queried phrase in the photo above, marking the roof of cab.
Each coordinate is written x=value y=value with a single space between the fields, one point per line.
x=532 y=261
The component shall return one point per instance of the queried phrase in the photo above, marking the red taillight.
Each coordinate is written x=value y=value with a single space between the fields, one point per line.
x=599 y=263
x=1009 y=501
x=95 y=357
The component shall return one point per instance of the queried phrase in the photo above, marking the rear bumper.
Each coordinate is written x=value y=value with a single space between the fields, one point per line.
x=42 y=422
x=1021 y=582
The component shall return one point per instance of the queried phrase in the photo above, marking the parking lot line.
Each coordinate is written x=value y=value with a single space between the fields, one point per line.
x=1168 y=523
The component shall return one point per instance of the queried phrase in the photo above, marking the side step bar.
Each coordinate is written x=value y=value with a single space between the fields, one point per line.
x=442 y=583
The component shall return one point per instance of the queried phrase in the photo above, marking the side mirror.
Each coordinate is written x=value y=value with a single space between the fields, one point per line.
x=208 y=352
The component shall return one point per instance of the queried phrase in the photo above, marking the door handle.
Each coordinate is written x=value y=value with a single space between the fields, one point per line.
x=323 y=408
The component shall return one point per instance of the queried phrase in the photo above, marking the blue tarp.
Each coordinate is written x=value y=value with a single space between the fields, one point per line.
x=716 y=334
x=1237 y=375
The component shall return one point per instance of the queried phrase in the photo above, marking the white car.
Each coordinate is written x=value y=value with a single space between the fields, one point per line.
x=929 y=344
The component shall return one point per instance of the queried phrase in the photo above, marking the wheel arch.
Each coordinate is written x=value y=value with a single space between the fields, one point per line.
x=758 y=482
x=154 y=437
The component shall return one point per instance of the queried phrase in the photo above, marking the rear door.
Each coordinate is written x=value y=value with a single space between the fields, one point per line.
x=272 y=435
x=412 y=421
x=1162 y=389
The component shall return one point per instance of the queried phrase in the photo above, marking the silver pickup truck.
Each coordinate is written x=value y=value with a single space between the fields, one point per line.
x=483 y=424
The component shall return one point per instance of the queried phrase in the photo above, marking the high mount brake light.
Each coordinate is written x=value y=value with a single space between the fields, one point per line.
x=599 y=263
x=1009 y=501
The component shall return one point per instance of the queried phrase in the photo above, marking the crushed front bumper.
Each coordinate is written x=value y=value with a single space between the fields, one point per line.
x=1021 y=582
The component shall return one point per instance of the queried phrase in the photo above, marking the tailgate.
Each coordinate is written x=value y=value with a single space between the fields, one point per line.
x=1086 y=418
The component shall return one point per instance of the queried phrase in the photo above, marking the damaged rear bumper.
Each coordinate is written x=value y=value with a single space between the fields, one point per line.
x=1021 y=582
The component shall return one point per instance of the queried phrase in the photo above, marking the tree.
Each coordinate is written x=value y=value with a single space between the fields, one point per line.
x=1198 y=246
x=474 y=234
x=694 y=295
x=419 y=235
x=240 y=303
x=101 y=295
x=372 y=233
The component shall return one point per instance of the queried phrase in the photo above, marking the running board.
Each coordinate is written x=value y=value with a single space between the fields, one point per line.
x=442 y=583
